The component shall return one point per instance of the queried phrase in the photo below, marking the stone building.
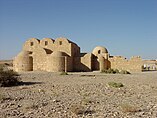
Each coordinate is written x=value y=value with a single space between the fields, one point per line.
x=63 y=55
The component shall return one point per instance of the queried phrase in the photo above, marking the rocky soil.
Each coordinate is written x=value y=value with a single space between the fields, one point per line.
x=80 y=95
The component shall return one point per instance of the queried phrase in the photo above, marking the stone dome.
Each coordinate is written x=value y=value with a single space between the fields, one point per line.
x=23 y=54
x=99 y=50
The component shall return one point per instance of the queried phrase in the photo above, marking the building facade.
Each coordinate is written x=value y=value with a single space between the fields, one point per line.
x=62 y=55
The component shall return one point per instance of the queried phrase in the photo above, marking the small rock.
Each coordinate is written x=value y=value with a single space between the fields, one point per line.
x=56 y=100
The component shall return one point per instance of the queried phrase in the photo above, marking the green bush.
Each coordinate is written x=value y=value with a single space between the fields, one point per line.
x=115 y=85
x=124 y=72
x=8 y=78
x=115 y=71
x=110 y=71
x=63 y=73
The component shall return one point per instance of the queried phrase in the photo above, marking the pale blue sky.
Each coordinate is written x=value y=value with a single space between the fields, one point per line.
x=124 y=27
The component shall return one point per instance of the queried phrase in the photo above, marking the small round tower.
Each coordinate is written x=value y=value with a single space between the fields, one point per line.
x=99 y=50
x=23 y=62
x=57 y=62
x=100 y=58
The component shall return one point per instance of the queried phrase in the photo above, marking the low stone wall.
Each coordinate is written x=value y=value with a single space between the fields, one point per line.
x=121 y=63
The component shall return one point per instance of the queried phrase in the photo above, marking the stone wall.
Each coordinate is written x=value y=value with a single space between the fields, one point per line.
x=69 y=61
x=86 y=62
x=121 y=63
x=23 y=62
x=39 y=59
x=56 y=64
x=76 y=64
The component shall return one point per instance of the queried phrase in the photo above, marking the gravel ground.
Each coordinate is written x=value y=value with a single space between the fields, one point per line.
x=80 y=95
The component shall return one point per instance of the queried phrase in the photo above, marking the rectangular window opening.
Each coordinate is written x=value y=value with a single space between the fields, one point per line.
x=46 y=42
x=60 y=42
x=31 y=44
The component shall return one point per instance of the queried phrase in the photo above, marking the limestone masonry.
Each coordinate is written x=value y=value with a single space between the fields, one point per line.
x=62 y=55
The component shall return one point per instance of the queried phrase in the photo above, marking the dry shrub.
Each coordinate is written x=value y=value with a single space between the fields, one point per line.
x=86 y=101
x=2 y=97
x=129 y=108
x=64 y=73
x=124 y=72
x=115 y=71
x=80 y=110
x=77 y=109
x=115 y=85
x=29 y=105
x=8 y=78
x=110 y=71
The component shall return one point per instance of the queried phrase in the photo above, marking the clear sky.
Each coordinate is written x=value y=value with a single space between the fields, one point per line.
x=124 y=27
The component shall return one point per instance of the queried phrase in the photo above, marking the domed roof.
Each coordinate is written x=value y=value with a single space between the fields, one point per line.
x=58 y=54
x=99 y=50
x=24 y=54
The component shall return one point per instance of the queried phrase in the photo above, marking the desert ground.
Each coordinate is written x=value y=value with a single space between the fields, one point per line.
x=80 y=95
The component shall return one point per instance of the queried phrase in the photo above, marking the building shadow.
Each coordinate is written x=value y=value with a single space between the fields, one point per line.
x=28 y=83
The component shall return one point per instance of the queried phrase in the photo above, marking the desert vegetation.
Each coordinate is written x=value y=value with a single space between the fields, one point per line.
x=8 y=78
x=79 y=109
x=129 y=108
x=115 y=71
x=115 y=85
x=64 y=73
